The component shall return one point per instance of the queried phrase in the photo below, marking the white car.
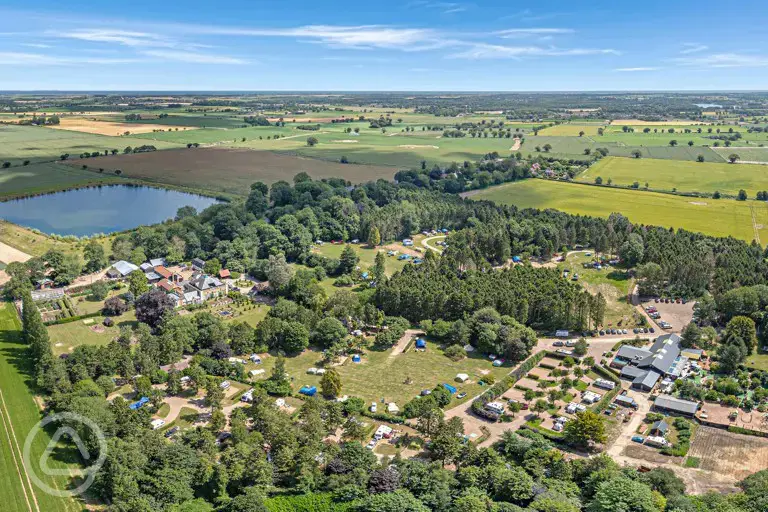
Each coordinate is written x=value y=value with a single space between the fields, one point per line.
x=374 y=407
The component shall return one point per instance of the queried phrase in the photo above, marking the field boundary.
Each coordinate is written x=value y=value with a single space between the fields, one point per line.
x=16 y=451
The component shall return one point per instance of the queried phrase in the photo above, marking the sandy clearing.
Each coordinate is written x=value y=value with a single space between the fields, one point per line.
x=79 y=124
x=698 y=203
x=403 y=342
x=10 y=254
x=347 y=141
x=516 y=145
x=417 y=146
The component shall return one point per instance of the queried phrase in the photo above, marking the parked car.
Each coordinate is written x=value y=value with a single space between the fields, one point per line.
x=461 y=395
x=558 y=344
x=638 y=439
x=652 y=330
x=171 y=431
x=374 y=407
x=602 y=332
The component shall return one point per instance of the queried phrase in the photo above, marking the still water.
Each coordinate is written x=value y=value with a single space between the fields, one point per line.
x=104 y=209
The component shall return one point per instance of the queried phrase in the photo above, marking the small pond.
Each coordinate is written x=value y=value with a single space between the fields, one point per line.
x=104 y=209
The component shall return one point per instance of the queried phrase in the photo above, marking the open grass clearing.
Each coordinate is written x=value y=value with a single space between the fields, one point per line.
x=681 y=175
x=90 y=331
x=381 y=376
x=728 y=453
x=723 y=217
x=232 y=170
x=746 y=154
x=20 y=412
x=614 y=283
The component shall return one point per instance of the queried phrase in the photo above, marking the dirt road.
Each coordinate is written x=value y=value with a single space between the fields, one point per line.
x=426 y=243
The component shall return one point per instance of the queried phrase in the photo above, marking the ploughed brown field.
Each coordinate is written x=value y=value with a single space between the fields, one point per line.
x=229 y=170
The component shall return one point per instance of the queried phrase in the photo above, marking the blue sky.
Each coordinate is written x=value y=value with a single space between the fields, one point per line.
x=420 y=45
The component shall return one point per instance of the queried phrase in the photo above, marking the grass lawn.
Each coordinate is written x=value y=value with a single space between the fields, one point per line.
x=681 y=175
x=20 y=412
x=380 y=375
x=163 y=411
x=723 y=217
x=758 y=361
x=747 y=154
x=367 y=255
x=613 y=283
x=65 y=337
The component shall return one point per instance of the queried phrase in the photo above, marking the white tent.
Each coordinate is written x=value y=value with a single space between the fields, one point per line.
x=462 y=377
x=392 y=408
x=312 y=371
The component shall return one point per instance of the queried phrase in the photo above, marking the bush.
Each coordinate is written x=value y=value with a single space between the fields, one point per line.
x=455 y=353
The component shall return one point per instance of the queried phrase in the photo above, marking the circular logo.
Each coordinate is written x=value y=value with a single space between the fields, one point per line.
x=88 y=473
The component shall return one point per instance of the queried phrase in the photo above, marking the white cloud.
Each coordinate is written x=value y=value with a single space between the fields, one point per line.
x=634 y=70
x=492 y=51
x=36 y=45
x=123 y=37
x=693 y=48
x=725 y=60
x=514 y=33
x=37 y=59
x=193 y=57
x=359 y=37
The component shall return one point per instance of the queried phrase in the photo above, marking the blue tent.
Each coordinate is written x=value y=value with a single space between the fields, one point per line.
x=450 y=388
x=137 y=405
x=517 y=259
x=308 y=390
x=365 y=275
x=356 y=358
x=417 y=261
x=420 y=343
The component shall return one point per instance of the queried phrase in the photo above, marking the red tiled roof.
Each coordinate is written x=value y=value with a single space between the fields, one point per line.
x=224 y=273
x=164 y=272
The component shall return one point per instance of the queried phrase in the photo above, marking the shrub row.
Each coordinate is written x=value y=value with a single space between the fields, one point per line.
x=75 y=318
x=501 y=387
x=747 y=432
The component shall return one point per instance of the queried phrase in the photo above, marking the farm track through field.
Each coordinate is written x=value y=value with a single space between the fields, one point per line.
x=16 y=453
x=754 y=224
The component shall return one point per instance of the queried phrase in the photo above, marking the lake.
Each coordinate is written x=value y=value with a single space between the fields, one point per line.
x=104 y=209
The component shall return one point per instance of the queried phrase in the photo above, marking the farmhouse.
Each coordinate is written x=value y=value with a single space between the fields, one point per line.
x=670 y=404
x=121 y=269
x=644 y=367
x=203 y=287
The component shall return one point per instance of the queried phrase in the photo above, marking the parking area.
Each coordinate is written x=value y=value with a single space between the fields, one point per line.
x=672 y=314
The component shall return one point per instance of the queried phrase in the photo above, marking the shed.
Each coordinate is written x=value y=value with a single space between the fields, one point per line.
x=692 y=353
x=660 y=428
x=157 y=262
x=626 y=401
x=420 y=343
x=462 y=377
x=308 y=390
x=450 y=388
x=224 y=273
x=676 y=405
x=197 y=263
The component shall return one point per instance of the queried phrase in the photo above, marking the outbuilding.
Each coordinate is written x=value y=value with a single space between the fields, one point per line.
x=669 y=403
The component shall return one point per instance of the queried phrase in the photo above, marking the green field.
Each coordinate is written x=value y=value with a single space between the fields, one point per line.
x=65 y=337
x=36 y=143
x=573 y=147
x=747 y=154
x=47 y=177
x=613 y=283
x=19 y=413
x=683 y=176
x=381 y=375
x=723 y=217
x=571 y=130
